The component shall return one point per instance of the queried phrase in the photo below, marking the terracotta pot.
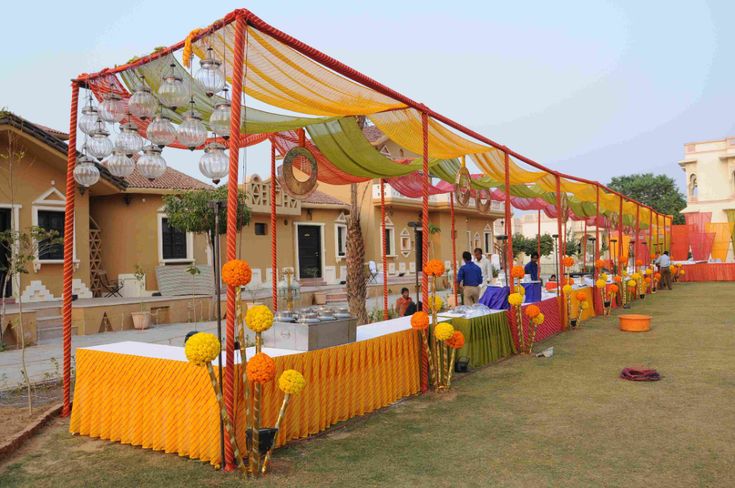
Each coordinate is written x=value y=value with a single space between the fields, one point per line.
x=141 y=320
x=320 y=298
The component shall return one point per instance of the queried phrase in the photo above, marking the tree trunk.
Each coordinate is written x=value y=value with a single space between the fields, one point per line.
x=356 y=282
x=6 y=279
x=24 y=367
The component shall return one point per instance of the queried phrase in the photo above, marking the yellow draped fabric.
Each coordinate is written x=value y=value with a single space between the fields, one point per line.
x=721 y=244
x=282 y=77
x=586 y=314
x=169 y=406
x=614 y=247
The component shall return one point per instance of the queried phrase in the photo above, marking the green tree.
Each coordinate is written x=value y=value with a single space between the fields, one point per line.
x=657 y=191
x=529 y=245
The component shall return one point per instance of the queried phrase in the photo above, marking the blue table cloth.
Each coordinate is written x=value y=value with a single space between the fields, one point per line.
x=496 y=297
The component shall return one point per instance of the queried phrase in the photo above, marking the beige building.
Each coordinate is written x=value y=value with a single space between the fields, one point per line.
x=710 y=175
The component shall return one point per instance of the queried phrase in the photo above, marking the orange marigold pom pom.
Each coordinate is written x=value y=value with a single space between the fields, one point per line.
x=532 y=311
x=613 y=288
x=617 y=278
x=261 y=368
x=638 y=262
x=434 y=267
x=568 y=281
x=456 y=341
x=601 y=263
x=236 y=272
x=420 y=320
x=568 y=261
x=517 y=272
x=581 y=296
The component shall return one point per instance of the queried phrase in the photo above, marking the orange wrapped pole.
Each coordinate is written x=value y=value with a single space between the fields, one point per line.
x=584 y=246
x=637 y=237
x=274 y=223
x=425 y=241
x=234 y=148
x=71 y=187
x=595 y=271
x=382 y=249
x=508 y=223
x=560 y=251
x=650 y=238
x=621 y=266
x=538 y=243
x=454 y=249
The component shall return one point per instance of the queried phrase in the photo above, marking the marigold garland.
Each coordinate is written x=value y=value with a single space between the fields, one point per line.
x=517 y=272
x=261 y=368
x=420 y=321
x=291 y=382
x=456 y=341
x=259 y=318
x=515 y=299
x=443 y=331
x=532 y=311
x=202 y=348
x=236 y=272
x=600 y=283
x=434 y=267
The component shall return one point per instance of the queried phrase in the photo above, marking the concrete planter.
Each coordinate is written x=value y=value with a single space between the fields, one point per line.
x=141 y=320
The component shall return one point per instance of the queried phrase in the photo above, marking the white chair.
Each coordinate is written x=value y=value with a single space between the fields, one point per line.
x=372 y=272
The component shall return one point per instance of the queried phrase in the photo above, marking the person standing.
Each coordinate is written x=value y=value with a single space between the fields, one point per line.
x=532 y=267
x=664 y=265
x=486 y=267
x=469 y=279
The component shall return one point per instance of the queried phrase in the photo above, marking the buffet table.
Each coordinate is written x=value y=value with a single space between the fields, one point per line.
x=487 y=338
x=496 y=297
x=696 y=272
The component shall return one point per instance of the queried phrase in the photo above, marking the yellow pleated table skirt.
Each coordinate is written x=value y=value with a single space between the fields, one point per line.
x=168 y=405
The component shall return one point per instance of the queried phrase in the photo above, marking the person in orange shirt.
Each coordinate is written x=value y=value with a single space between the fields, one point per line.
x=403 y=302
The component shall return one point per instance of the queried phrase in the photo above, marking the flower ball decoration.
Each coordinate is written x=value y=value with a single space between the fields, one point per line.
x=584 y=305
x=638 y=262
x=567 y=289
x=681 y=273
x=259 y=318
x=648 y=271
x=567 y=261
x=600 y=283
x=515 y=299
x=420 y=321
x=436 y=303
x=603 y=276
x=600 y=263
x=613 y=288
x=291 y=382
x=647 y=279
x=568 y=281
x=521 y=289
x=261 y=368
x=632 y=284
x=202 y=348
x=236 y=272
x=581 y=296
x=517 y=272
x=434 y=267
x=456 y=341
x=540 y=319
x=657 y=276
x=443 y=331
x=617 y=279
x=532 y=311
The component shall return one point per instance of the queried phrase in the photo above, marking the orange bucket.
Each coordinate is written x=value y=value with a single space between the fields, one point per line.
x=635 y=323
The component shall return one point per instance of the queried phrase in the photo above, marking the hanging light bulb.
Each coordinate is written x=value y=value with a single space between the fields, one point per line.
x=151 y=164
x=99 y=144
x=129 y=141
x=192 y=133
x=161 y=131
x=113 y=108
x=142 y=103
x=89 y=117
x=210 y=74
x=214 y=163
x=119 y=164
x=86 y=172
x=219 y=121
x=172 y=92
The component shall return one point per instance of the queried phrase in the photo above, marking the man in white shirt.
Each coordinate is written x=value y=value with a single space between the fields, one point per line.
x=664 y=262
x=485 y=266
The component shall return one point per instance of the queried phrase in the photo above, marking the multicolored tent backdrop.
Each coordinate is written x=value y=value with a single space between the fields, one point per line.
x=329 y=101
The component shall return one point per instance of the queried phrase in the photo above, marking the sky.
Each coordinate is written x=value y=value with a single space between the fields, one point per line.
x=594 y=89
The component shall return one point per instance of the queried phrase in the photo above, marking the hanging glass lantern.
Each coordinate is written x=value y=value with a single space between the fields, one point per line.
x=210 y=75
x=192 y=133
x=214 y=164
x=99 y=144
x=161 y=131
x=172 y=91
x=142 y=103
x=86 y=172
x=129 y=141
x=113 y=108
x=219 y=121
x=89 y=117
x=119 y=164
x=151 y=164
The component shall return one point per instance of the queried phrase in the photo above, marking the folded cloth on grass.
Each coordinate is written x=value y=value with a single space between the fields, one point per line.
x=632 y=374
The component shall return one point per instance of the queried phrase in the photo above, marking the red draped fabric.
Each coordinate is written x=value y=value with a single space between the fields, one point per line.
x=701 y=243
x=679 y=242
x=552 y=322
x=708 y=272
x=698 y=220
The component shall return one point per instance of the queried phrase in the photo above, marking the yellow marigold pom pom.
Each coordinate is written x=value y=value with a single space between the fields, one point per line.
x=603 y=276
x=436 y=303
x=420 y=320
x=600 y=283
x=682 y=273
x=291 y=382
x=236 y=272
x=632 y=284
x=202 y=348
x=434 y=268
x=259 y=318
x=648 y=271
x=567 y=289
x=515 y=299
x=539 y=319
x=520 y=289
x=443 y=331
x=261 y=368
x=584 y=305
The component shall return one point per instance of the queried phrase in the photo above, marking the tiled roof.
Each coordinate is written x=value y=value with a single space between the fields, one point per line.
x=372 y=133
x=170 y=180
x=56 y=133
x=321 y=198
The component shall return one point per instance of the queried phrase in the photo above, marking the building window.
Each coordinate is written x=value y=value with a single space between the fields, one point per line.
x=693 y=188
x=405 y=243
x=389 y=241
x=261 y=229
x=340 y=236
x=488 y=242
x=51 y=220
x=174 y=243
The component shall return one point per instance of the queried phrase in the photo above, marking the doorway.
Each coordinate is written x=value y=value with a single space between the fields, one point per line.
x=5 y=225
x=310 y=251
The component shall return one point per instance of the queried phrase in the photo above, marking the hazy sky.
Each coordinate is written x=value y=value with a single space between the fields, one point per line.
x=593 y=88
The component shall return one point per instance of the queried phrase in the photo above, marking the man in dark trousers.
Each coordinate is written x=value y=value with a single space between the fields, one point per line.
x=664 y=265
x=469 y=278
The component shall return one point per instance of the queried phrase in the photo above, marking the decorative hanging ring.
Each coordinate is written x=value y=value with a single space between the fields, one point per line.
x=462 y=187
x=294 y=187
x=482 y=201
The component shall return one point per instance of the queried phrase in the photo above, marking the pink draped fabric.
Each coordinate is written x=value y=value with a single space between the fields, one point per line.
x=679 y=242
x=701 y=243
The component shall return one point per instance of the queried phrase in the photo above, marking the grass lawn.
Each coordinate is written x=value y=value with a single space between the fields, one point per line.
x=567 y=421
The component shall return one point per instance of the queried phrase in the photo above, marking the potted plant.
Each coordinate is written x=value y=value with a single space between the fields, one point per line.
x=141 y=319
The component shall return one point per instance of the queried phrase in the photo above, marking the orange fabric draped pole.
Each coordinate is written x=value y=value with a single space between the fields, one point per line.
x=508 y=223
x=70 y=190
x=650 y=237
x=560 y=251
x=584 y=247
x=637 y=237
x=620 y=240
x=595 y=271
x=425 y=241
x=538 y=243
x=234 y=148
x=454 y=249
x=382 y=249
x=274 y=223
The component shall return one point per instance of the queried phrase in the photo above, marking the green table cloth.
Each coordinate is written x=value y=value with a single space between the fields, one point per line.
x=487 y=338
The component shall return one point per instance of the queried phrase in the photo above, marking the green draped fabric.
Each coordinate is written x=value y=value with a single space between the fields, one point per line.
x=487 y=338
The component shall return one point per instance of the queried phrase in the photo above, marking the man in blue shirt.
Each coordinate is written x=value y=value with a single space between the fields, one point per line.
x=664 y=266
x=469 y=278
x=532 y=267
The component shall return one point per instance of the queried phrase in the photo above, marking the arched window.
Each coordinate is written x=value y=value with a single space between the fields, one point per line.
x=693 y=188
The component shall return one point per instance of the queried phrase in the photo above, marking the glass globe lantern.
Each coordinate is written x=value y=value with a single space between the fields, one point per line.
x=161 y=131
x=214 y=164
x=210 y=75
x=89 y=118
x=99 y=144
x=86 y=172
x=192 y=133
x=172 y=91
x=113 y=108
x=151 y=164
x=119 y=164
x=142 y=103
x=129 y=141
x=219 y=121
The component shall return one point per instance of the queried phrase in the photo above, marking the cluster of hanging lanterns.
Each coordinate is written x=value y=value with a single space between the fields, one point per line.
x=130 y=150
